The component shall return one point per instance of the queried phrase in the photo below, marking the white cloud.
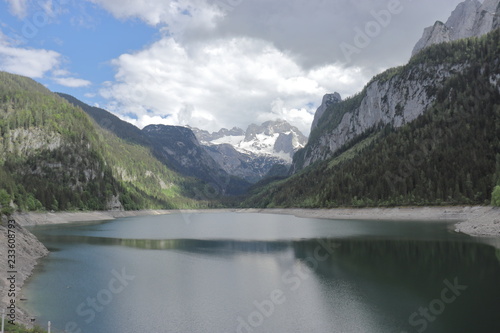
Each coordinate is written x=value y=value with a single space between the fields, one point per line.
x=72 y=82
x=224 y=83
x=255 y=60
x=176 y=15
x=60 y=72
x=18 y=8
x=65 y=78
x=28 y=62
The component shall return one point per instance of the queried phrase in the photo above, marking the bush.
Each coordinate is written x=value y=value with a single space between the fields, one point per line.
x=9 y=328
x=5 y=203
x=495 y=196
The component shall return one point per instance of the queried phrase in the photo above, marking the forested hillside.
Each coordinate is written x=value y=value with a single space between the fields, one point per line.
x=448 y=155
x=53 y=156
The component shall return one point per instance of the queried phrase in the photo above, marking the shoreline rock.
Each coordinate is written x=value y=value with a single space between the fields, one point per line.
x=28 y=250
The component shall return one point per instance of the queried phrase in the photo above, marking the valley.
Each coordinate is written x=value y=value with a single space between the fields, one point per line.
x=393 y=195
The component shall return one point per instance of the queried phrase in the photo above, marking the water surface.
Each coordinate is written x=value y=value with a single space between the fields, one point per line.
x=229 y=272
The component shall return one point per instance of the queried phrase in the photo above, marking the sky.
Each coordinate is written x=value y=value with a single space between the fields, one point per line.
x=210 y=63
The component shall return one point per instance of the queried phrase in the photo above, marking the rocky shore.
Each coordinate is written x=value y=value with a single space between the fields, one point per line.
x=31 y=219
x=28 y=250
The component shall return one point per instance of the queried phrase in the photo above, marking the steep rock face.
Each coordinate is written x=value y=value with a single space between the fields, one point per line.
x=179 y=148
x=28 y=142
x=469 y=19
x=438 y=33
x=392 y=98
x=462 y=21
x=399 y=95
x=328 y=100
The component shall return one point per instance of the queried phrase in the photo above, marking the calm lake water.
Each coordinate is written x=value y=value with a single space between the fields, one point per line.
x=229 y=272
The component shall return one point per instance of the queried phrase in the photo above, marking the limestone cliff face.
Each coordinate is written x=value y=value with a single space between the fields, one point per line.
x=469 y=19
x=328 y=100
x=399 y=95
x=395 y=98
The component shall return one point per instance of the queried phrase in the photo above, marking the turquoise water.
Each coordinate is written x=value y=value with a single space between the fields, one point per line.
x=229 y=272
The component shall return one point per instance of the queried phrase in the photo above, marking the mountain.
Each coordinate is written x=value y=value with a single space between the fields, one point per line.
x=252 y=153
x=425 y=133
x=205 y=136
x=469 y=19
x=54 y=156
x=174 y=146
x=110 y=122
x=179 y=149
x=395 y=97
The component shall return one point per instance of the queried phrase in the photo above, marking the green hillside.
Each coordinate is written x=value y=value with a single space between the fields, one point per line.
x=53 y=156
x=449 y=155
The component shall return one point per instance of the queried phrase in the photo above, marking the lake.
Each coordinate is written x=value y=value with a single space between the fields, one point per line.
x=243 y=272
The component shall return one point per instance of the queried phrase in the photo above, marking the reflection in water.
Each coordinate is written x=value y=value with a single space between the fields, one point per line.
x=333 y=284
x=217 y=247
x=389 y=270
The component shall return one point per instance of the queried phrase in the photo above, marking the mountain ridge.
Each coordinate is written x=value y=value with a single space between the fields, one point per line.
x=396 y=96
x=425 y=133
x=470 y=18
x=251 y=154
x=55 y=156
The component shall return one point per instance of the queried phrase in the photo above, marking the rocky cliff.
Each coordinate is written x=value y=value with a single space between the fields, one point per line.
x=328 y=100
x=395 y=97
x=399 y=95
x=469 y=19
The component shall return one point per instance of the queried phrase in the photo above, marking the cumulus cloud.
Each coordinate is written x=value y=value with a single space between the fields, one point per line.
x=28 y=62
x=36 y=63
x=313 y=30
x=224 y=83
x=231 y=63
x=175 y=16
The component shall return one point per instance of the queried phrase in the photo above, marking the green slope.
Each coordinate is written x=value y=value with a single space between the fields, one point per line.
x=53 y=156
x=449 y=155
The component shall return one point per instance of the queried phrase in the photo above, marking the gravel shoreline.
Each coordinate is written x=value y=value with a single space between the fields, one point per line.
x=483 y=221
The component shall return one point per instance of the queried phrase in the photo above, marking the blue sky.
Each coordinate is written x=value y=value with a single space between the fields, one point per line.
x=86 y=37
x=209 y=63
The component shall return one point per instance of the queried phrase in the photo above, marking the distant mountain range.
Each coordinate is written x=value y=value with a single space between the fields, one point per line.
x=175 y=146
x=252 y=153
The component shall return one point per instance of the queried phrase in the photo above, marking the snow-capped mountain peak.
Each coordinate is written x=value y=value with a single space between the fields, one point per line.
x=251 y=154
x=273 y=138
